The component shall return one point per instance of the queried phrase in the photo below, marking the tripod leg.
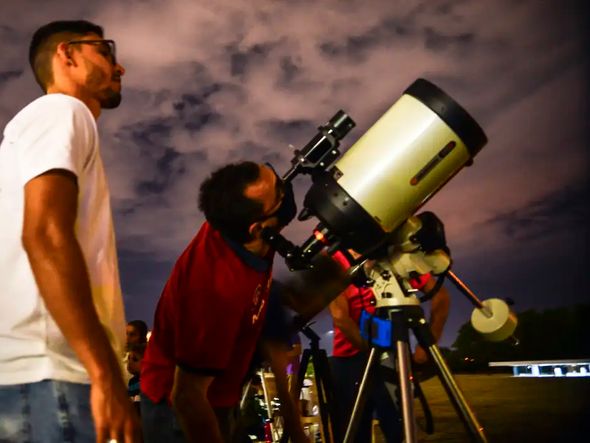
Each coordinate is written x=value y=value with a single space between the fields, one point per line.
x=407 y=398
x=361 y=397
x=328 y=405
x=302 y=370
x=297 y=388
x=466 y=414
x=456 y=396
x=322 y=402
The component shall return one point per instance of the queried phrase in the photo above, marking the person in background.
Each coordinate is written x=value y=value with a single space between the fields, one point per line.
x=350 y=356
x=134 y=358
x=136 y=332
x=62 y=325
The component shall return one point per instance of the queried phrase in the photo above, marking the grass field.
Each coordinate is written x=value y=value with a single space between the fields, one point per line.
x=512 y=409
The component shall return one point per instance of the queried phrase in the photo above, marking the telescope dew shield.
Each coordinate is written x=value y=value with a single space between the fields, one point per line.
x=420 y=143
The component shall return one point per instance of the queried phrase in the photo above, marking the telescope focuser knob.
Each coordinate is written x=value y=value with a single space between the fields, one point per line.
x=386 y=275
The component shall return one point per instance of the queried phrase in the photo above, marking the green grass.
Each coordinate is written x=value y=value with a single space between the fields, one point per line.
x=512 y=409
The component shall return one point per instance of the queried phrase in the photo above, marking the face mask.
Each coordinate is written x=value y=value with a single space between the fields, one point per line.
x=288 y=209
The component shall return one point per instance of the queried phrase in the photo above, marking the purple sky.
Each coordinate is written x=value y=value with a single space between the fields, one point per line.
x=212 y=82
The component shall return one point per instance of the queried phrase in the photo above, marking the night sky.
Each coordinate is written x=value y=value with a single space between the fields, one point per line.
x=209 y=83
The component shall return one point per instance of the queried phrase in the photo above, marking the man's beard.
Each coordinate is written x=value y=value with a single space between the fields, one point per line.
x=110 y=99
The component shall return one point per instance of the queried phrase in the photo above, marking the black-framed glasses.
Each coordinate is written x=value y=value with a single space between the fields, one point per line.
x=106 y=47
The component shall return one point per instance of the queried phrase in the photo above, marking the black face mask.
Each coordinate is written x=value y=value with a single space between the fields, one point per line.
x=287 y=211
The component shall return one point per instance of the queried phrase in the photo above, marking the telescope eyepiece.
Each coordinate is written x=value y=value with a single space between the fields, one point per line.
x=340 y=125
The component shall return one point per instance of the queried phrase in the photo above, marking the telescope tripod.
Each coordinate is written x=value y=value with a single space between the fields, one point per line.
x=404 y=319
x=322 y=382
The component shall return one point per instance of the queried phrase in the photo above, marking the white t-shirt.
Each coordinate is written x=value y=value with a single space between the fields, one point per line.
x=55 y=131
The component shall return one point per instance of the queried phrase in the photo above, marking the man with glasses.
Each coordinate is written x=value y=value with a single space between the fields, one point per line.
x=212 y=309
x=62 y=329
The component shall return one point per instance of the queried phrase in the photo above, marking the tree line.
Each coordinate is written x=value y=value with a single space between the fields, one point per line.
x=551 y=334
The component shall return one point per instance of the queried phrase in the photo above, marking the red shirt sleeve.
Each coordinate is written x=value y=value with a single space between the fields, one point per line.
x=420 y=281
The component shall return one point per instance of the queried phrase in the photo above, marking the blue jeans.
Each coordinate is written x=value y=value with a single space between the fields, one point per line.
x=159 y=423
x=347 y=373
x=46 y=412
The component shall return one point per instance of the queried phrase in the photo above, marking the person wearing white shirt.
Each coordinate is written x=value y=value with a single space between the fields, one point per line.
x=62 y=328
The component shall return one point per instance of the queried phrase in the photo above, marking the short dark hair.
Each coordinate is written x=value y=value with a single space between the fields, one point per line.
x=141 y=327
x=45 y=41
x=224 y=204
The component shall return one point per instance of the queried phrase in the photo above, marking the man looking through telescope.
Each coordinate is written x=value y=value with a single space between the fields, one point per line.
x=211 y=311
x=350 y=355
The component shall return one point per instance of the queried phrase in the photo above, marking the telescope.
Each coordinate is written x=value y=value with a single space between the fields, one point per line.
x=367 y=199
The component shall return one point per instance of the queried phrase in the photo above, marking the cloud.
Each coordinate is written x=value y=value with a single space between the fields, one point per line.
x=6 y=76
x=211 y=82
x=565 y=210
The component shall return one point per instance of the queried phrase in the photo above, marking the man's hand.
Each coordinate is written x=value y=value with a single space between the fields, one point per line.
x=420 y=355
x=114 y=415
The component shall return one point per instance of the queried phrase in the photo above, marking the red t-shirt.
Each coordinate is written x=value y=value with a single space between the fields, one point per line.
x=208 y=318
x=359 y=299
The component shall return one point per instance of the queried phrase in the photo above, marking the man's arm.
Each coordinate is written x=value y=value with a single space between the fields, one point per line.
x=58 y=265
x=342 y=320
x=439 y=311
x=192 y=407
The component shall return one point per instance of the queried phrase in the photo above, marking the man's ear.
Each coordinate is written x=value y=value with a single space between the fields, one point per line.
x=64 y=54
x=254 y=230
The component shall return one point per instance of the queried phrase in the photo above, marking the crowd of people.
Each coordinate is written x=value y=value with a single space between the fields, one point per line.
x=63 y=351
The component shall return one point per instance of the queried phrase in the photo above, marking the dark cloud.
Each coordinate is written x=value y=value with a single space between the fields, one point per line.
x=6 y=76
x=563 y=211
x=291 y=130
x=168 y=167
x=195 y=112
x=10 y=35
x=196 y=99
x=243 y=81
x=439 y=41
x=289 y=70
x=251 y=150
x=400 y=28
x=147 y=134
x=356 y=47
x=241 y=60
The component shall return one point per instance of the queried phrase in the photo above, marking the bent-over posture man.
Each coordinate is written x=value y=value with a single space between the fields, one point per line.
x=62 y=327
x=212 y=308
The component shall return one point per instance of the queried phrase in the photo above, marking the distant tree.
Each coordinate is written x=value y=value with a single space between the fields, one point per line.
x=558 y=333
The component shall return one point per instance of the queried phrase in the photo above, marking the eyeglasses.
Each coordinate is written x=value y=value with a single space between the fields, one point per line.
x=106 y=47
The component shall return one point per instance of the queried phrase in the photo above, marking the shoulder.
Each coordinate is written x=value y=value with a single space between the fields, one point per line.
x=55 y=103
x=49 y=111
x=204 y=251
